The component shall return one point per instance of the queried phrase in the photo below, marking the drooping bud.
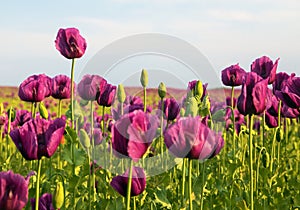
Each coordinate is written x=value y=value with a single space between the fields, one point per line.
x=43 y=110
x=199 y=89
x=121 y=93
x=191 y=107
x=144 y=78
x=162 y=90
x=58 y=196
x=12 y=113
x=84 y=139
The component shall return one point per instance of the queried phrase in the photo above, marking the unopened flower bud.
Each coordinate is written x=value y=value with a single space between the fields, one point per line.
x=84 y=139
x=199 y=89
x=43 y=111
x=121 y=93
x=12 y=113
x=144 y=78
x=162 y=90
x=58 y=197
x=192 y=107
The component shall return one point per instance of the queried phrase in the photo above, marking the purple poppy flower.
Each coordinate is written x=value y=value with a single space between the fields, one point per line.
x=290 y=92
x=171 y=109
x=233 y=75
x=38 y=137
x=189 y=137
x=289 y=112
x=70 y=43
x=253 y=95
x=61 y=87
x=45 y=202
x=280 y=79
x=265 y=68
x=271 y=121
x=138 y=185
x=35 y=88
x=107 y=96
x=133 y=133
x=13 y=191
x=22 y=116
x=90 y=86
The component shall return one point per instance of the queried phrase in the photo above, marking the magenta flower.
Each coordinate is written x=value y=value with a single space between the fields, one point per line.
x=35 y=88
x=138 y=185
x=233 y=75
x=70 y=43
x=45 y=202
x=133 y=133
x=290 y=92
x=107 y=95
x=189 y=137
x=271 y=121
x=13 y=191
x=61 y=87
x=265 y=68
x=171 y=109
x=38 y=137
x=90 y=86
x=289 y=112
x=253 y=95
x=280 y=80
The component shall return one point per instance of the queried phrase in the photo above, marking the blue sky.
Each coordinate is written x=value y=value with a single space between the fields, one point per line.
x=226 y=32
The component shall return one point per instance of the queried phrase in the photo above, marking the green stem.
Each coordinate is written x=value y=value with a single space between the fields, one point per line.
x=93 y=150
x=251 y=162
x=233 y=121
x=203 y=186
x=145 y=95
x=37 y=192
x=161 y=130
x=72 y=92
x=263 y=128
x=190 y=183
x=129 y=185
x=90 y=180
x=59 y=108
x=183 y=180
x=121 y=109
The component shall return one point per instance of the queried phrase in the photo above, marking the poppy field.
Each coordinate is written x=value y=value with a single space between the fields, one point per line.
x=97 y=145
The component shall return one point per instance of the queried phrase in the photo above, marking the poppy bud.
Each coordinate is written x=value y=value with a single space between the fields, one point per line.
x=199 y=89
x=84 y=139
x=43 y=111
x=58 y=196
x=12 y=113
x=144 y=78
x=162 y=90
x=192 y=107
x=121 y=93
x=182 y=112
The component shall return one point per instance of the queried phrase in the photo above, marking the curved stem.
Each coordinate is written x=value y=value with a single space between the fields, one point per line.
x=72 y=92
x=251 y=162
x=37 y=192
x=129 y=185
x=190 y=183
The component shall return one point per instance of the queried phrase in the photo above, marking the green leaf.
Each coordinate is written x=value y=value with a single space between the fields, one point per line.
x=160 y=197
